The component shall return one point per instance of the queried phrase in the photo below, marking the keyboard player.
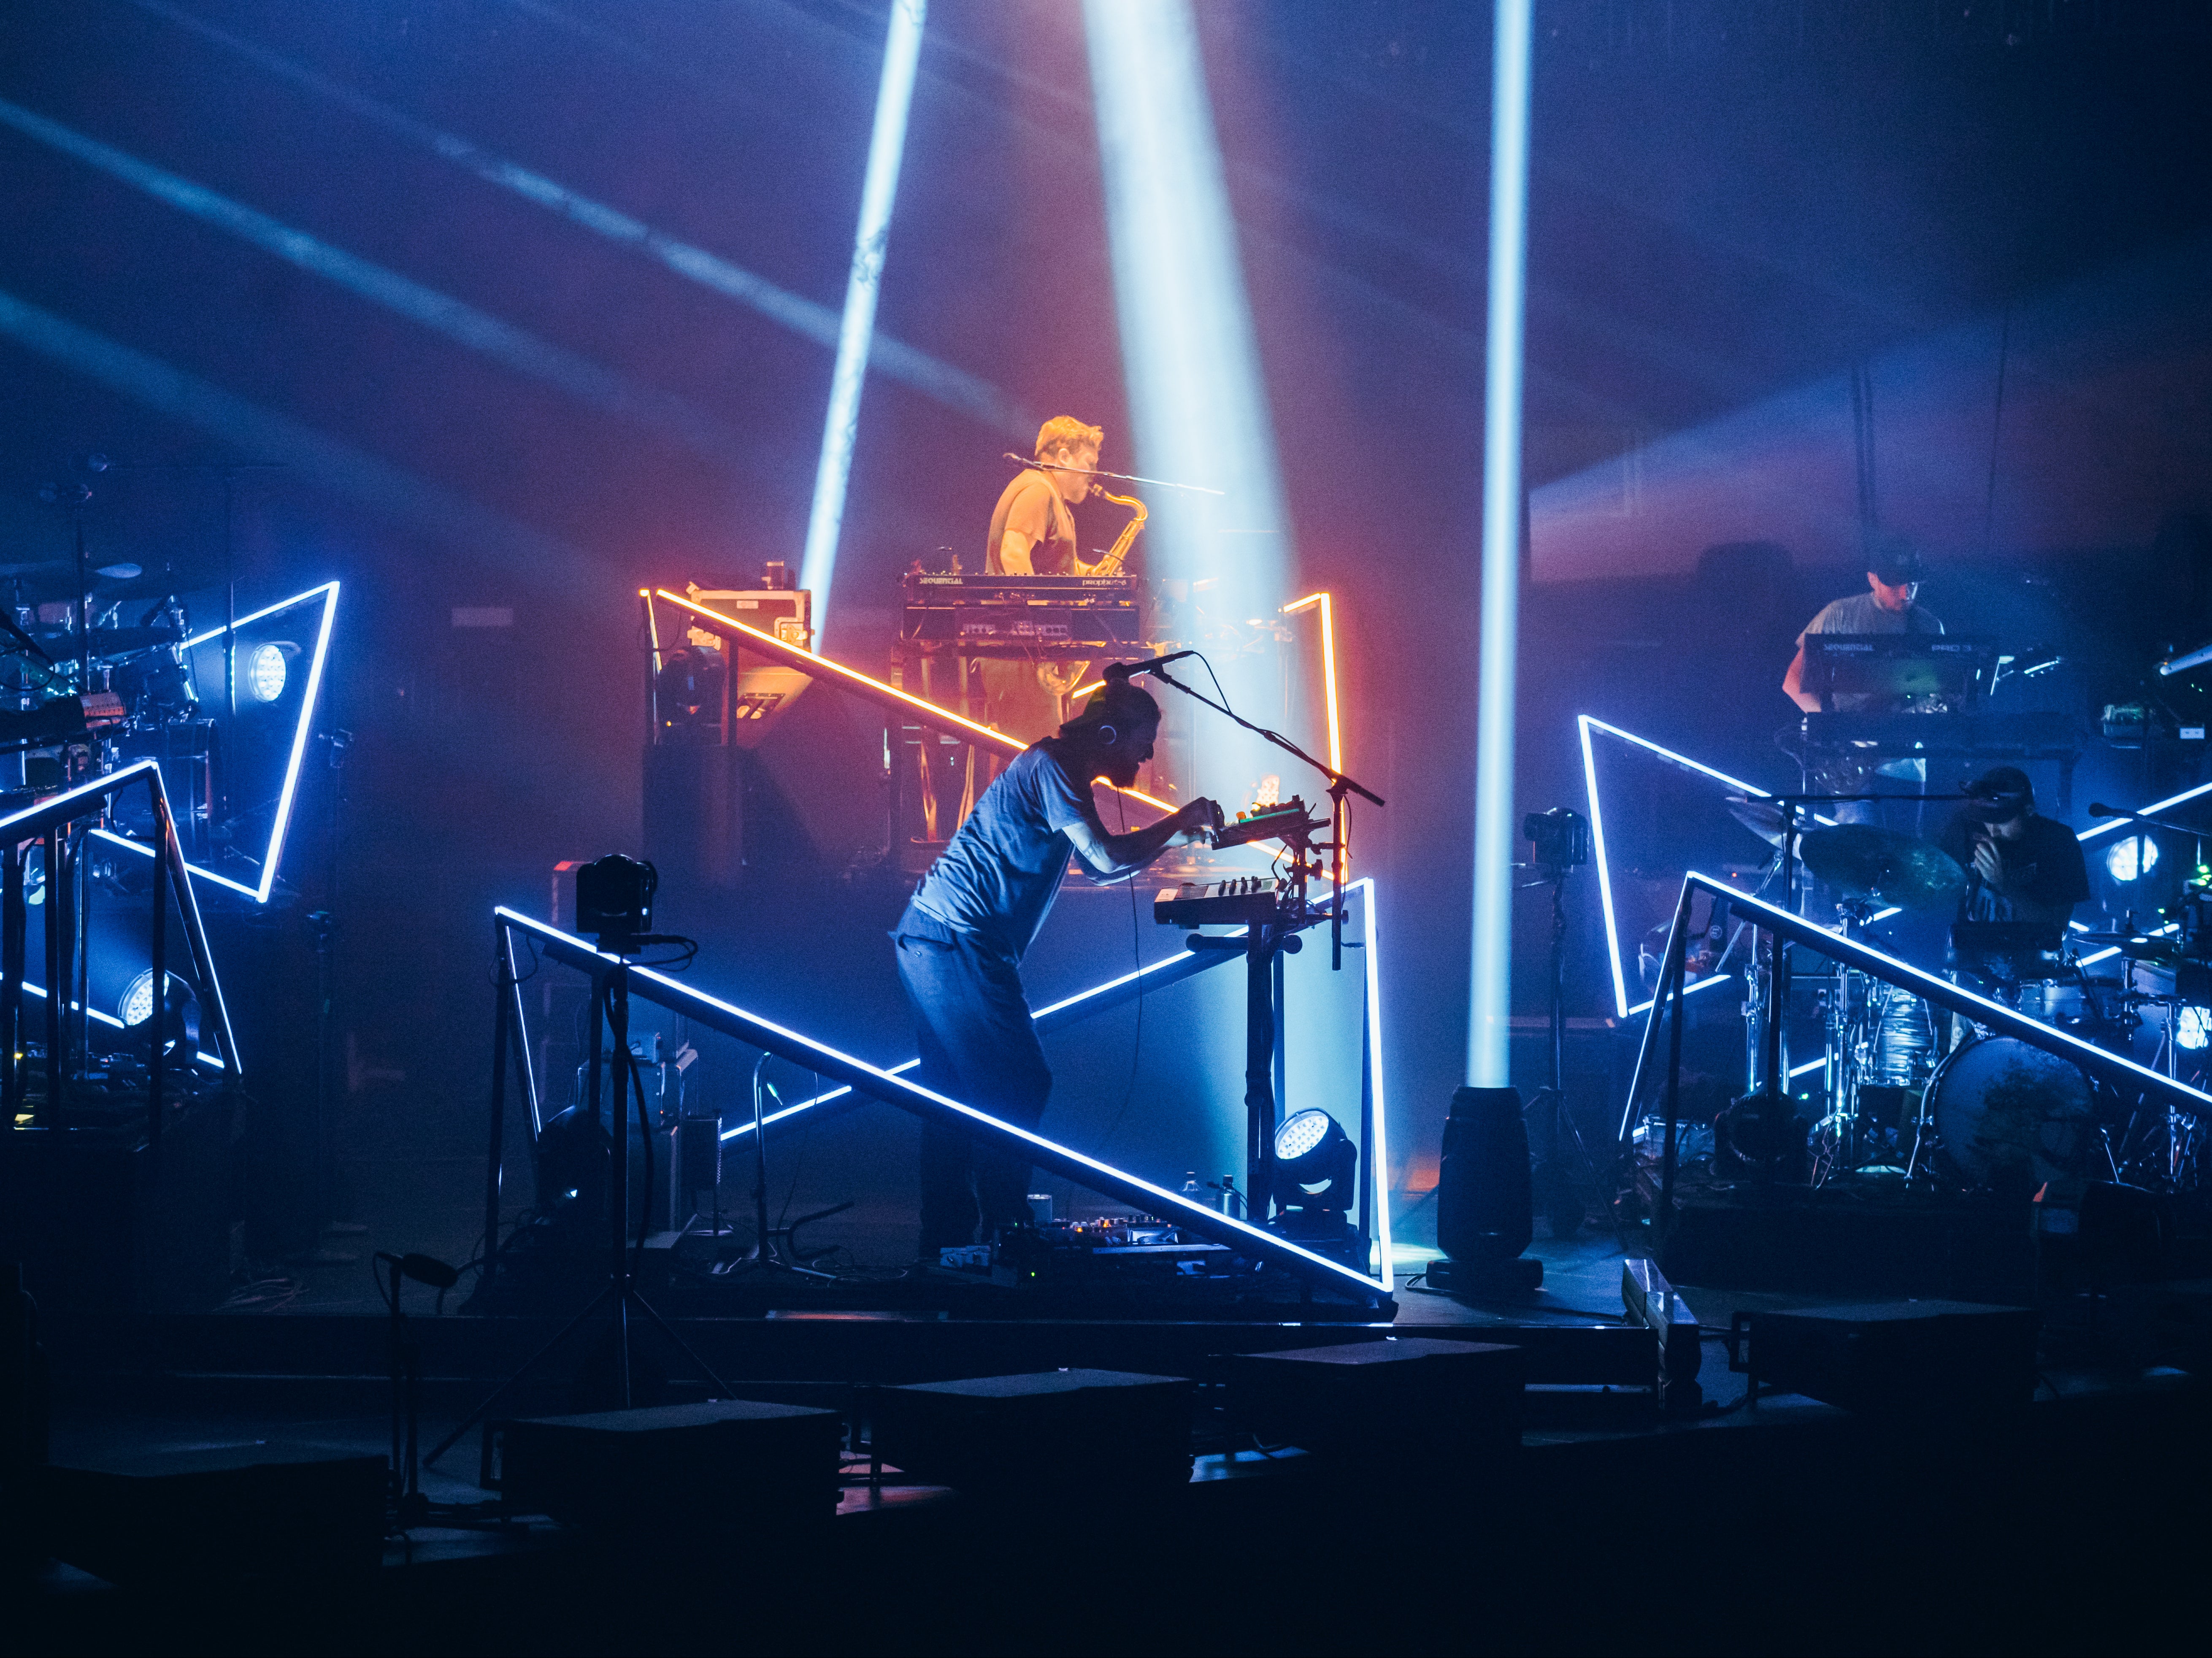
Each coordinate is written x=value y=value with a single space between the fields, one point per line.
x=961 y=941
x=1889 y=606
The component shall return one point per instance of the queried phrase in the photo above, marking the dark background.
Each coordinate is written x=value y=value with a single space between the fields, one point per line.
x=1730 y=202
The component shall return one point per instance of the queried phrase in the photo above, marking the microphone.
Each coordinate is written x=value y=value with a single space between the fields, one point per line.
x=2099 y=809
x=1125 y=670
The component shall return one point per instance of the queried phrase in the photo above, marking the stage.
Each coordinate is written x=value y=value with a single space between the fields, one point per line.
x=2042 y=1528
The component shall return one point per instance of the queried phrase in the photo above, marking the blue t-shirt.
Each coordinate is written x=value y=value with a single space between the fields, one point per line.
x=997 y=879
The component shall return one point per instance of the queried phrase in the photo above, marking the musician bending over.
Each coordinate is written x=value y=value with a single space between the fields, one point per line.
x=961 y=941
x=2020 y=865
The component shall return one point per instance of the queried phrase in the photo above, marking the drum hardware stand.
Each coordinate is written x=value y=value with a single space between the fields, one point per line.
x=620 y=1295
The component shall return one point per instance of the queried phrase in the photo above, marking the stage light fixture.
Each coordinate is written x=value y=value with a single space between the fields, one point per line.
x=2193 y=1027
x=136 y=1007
x=1315 y=1160
x=266 y=673
x=2122 y=862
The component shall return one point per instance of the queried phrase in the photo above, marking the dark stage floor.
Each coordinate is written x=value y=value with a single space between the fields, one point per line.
x=2070 y=1525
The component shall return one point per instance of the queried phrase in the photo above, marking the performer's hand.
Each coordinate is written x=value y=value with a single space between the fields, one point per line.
x=1988 y=863
x=1195 y=822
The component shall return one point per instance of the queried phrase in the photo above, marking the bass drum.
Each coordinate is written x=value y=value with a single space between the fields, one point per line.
x=2011 y=1116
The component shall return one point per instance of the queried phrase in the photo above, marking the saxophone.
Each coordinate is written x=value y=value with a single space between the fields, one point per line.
x=1110 y=562
x=1061 y=678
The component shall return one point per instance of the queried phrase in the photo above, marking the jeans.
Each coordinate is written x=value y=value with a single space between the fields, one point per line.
x=978 y=1046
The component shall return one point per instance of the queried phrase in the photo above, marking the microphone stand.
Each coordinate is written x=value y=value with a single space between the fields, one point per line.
x=1340 y=786
x=1264 y=944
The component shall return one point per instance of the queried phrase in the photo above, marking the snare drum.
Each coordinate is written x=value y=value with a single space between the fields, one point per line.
x=2011 y=1114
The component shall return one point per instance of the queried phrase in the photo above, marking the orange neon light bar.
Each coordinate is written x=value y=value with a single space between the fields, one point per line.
x=821 y=666
x=1328 y=683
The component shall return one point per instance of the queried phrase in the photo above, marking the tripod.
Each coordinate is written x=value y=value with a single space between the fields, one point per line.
x=620 y=1297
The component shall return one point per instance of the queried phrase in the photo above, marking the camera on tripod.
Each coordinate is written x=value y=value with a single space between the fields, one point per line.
x=1559 y=839
x=614 y=898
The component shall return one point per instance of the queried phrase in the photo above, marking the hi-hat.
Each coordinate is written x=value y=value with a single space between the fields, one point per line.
x=1862 y=861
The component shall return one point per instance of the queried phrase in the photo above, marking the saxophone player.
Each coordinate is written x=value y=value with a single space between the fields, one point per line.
x=1032 y=527
x=1033 y=533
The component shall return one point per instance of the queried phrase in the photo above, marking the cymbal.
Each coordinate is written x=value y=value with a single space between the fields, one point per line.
x=1760 y=818
x=1862 y=861
x=2139 y=946
x=107 y=643
x=60 y=573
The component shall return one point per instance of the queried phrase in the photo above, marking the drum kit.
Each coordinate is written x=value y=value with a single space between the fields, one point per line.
x=93 y=675
x=1915 y=1094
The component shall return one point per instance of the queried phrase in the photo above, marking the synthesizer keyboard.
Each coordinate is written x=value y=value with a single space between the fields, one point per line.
x=1245 y=901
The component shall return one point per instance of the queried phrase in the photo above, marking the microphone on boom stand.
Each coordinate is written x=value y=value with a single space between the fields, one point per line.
x=1124 y=671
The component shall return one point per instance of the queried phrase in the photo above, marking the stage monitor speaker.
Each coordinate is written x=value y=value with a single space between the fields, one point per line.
x=1414 y=1400
x=236 y=1514
x=1950 y=1358
x=693 y=1471
x=1485 y=1201
x=991 y=1435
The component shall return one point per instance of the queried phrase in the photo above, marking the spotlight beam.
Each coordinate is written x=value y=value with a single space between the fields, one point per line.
x=871 y=242
x=591 y=383
x=1489 y=1063
x=454 y=518
x=933 y=377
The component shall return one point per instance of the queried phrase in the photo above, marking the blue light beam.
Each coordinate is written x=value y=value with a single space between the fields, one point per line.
x=1489 y=1018
x=870 y=243
x=590 y=383
x=933 y=377
x=400 y=496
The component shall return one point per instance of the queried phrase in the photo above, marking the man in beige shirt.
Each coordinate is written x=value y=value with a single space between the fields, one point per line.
x=1033 y=533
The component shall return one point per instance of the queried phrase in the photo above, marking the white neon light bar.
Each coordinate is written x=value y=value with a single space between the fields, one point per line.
x=2102 y=1056
x=286 y=796
x=1379 y=1153
x=199 y=1054
x=289 y=794
x=1797 y=1071
x=905 y=1066
x=1584 y=725
x=98 y=787
x=1690 y=989
x=1165 y=1202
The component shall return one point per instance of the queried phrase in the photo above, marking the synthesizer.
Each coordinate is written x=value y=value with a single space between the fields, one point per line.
x=1945 y=735
x=1097 y=612
x=1245 y=901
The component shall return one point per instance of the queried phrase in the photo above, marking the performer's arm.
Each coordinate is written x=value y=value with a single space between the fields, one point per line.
x=1793 y=682
x=1014 y=553
x=1117 y=857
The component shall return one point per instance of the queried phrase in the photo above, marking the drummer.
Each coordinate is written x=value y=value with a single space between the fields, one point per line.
x=2020 y=864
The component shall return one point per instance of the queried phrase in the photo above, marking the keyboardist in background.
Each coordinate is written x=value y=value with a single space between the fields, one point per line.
x=961 y=941
x=1889 y=606
x=1033 y=533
